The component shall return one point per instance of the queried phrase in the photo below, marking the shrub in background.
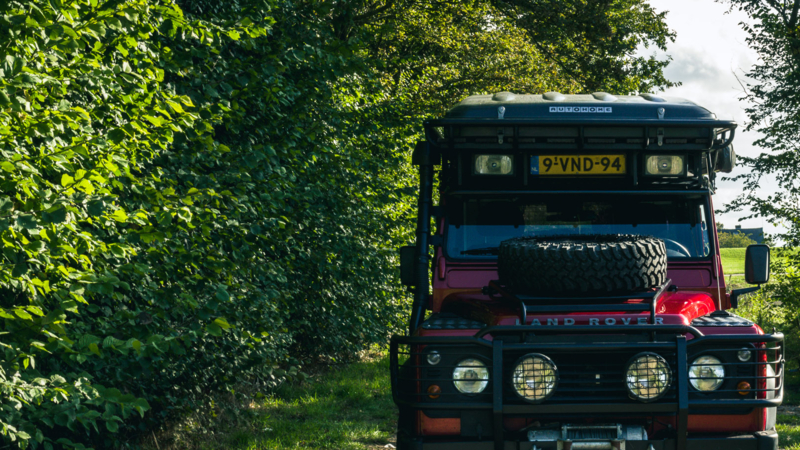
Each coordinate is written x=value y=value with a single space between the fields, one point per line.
x=777 y=304
x=734 y=240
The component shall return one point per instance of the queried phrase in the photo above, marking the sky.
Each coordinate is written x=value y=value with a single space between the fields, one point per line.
x=709 y=48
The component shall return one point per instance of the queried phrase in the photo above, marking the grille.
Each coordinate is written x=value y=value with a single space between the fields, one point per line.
x=591 y=377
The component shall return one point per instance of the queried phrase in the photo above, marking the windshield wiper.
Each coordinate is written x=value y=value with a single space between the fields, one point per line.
x=480 y=251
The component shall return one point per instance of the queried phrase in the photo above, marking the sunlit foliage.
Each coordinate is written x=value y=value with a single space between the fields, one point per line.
x=200 y=192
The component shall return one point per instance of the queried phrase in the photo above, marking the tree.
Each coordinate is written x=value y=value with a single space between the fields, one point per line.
x=734 y=240
x=182 y=181
x=774 y=93
x=773 y=32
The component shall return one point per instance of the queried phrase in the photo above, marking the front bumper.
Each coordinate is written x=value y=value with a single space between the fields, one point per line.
x=498 y=406
x=763 y=440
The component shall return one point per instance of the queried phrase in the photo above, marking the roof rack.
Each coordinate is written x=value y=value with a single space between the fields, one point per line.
x=598 y=121
x=555 y=134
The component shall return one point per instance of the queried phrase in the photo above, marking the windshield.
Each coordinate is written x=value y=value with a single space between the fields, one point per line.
x=476 y=226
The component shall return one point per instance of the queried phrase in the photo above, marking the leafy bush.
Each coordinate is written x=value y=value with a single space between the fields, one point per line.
x=777 y=304
x=734 y=240
x=192 y=197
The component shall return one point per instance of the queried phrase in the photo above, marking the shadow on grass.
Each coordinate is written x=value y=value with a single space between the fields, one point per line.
x=343 y=408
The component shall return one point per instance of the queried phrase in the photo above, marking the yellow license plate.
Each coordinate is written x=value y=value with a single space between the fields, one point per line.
x=544 y=165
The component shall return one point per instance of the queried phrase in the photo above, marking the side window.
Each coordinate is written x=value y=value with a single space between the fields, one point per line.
x=704 y=230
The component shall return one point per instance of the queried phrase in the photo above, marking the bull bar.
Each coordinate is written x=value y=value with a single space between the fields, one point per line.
x=659 y=338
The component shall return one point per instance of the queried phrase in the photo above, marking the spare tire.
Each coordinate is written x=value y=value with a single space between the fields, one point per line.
x=585 y=265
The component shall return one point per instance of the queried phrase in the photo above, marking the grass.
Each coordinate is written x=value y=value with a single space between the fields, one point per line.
x=346 y=407
x=788 y=425
x=732 y=260
x=350 y=408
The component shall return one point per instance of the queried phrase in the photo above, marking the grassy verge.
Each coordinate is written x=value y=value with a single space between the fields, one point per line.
x=789 y=414
x=789 y=431
x=340 y=408
x=350 y=408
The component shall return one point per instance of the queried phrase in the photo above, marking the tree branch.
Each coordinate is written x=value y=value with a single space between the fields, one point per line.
x=780 y=10
x=793 y=19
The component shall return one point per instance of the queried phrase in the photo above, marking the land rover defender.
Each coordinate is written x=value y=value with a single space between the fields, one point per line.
x=568 y=290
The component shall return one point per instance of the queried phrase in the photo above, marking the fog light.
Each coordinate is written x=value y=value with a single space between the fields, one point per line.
x=744 y=355
x=535 y=377
x=665 y=165
x=434 y=391
x=494 y=165
x=706 y=373
x=434 y=358
x=648 y=376
x=471 y=376
x=743 y=387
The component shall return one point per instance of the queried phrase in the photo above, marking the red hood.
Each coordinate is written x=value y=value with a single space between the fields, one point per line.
x=673 y=308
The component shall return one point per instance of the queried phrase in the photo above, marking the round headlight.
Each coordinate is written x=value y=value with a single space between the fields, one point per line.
x=471 y=376
x=535 y=377
x=744 y=355
x=648 y=376
x=434 y=358
x=706 y=373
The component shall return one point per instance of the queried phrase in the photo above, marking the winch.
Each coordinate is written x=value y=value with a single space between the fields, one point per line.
x=589 y=437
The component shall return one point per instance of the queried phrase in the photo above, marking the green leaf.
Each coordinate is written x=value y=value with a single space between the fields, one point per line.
x=67 y=180
x=6 y=204
x=95 y=349
x=96 y=208
x=214 y=329
x=12 y=66
x=20 y=269
x=157 y=121
x=7 y=166
x=27 y=221
x=23 y=435
x=120 y=216
x=118 y=251
x=222 y=323
x=23 y=314
x=222 y=295
x=55 y=215
x=141 y=406
x=116 y=135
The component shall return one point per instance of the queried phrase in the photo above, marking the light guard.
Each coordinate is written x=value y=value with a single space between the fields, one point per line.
x=535 y=377
x=648 y=377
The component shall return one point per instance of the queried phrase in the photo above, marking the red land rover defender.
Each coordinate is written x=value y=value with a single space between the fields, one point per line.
x=578 y=301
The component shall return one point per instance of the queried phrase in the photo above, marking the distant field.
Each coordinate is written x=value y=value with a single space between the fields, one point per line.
x=733 y=260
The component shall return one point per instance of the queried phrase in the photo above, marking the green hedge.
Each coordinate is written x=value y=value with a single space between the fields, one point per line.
x=196 y=194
